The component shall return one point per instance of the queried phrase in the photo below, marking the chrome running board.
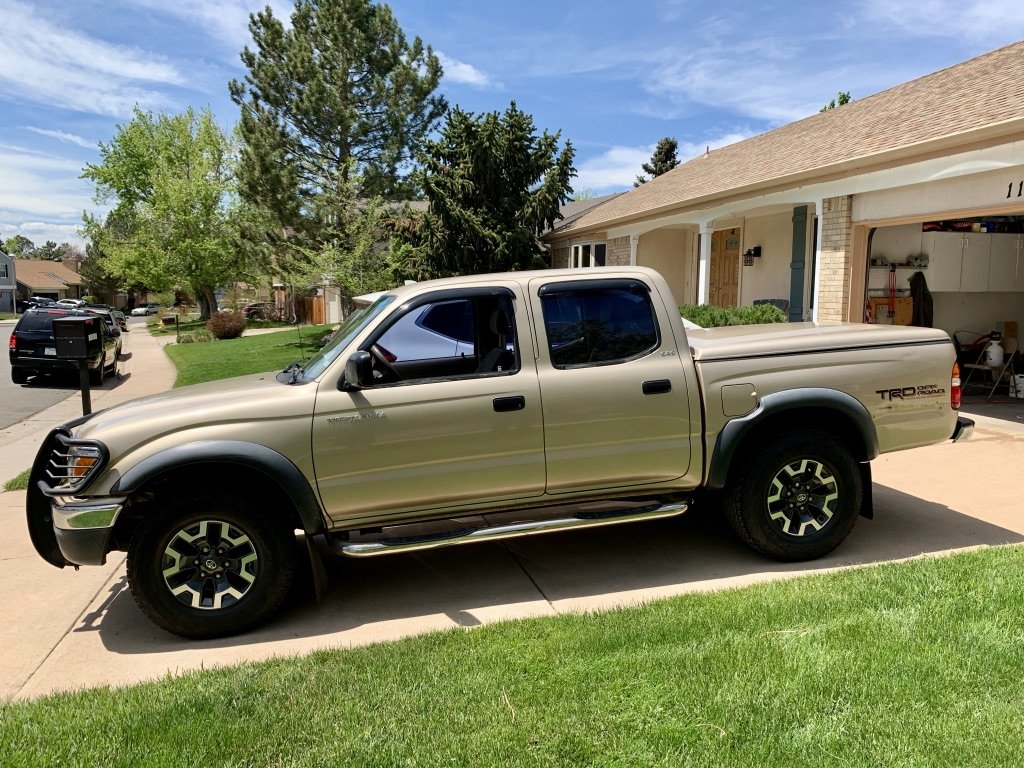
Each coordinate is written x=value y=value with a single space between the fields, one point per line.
x=470 y=535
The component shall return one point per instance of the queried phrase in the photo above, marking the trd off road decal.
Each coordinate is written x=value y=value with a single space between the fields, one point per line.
x=911 y=393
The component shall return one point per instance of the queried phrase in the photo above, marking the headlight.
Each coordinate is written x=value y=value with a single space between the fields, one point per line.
x=72 y=463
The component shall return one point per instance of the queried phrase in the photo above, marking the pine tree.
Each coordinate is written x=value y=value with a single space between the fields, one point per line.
x=493 y=186
x=336 y=99
x=662 y=161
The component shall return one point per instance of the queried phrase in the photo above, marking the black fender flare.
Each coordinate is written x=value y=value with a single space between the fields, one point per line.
x=732 y=435
x=276 y=467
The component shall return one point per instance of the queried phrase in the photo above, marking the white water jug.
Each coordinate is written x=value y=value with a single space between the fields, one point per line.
x=994 y=353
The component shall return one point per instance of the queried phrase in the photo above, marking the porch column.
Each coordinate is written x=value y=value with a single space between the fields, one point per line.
x=704 y=270
x=835 y=258
x=816 y=289
x=634 y=239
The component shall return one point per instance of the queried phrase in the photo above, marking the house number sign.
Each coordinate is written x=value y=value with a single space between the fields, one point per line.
x=1020 y=189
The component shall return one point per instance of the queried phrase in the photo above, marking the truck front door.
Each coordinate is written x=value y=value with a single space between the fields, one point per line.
x=452 y=416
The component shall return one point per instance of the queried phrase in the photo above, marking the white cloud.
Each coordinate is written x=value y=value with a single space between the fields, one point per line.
x=1000 y=21
x=614 y=169
x=465 y=74
x=617 y=168
x=42 y=196
x=69 y=138
x=46 y=64
x=226 y=21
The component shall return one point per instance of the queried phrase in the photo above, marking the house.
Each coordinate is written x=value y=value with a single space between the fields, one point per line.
x=832 y=215
x=49 y=279
x=7 y=284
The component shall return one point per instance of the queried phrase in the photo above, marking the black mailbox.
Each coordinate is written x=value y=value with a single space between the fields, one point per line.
x=78 y=338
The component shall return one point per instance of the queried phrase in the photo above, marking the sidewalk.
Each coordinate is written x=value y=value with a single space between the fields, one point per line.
x=43 y=604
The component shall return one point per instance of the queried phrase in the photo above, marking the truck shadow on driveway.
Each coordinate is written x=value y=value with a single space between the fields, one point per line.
x=385 y=598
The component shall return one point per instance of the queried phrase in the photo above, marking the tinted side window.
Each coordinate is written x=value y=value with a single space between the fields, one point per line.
x=453 y=319
x=599 y=326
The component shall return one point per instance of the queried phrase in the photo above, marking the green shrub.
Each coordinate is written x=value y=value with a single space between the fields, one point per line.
x=226 y=325
x=707 y=316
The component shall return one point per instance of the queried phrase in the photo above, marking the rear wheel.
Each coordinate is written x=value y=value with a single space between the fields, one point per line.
x=796 y=497
x=19 y=375
x=210 y=566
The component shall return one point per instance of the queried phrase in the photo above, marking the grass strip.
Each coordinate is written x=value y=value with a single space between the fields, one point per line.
x=215 y=360
x=19 y=483
x=915 y=663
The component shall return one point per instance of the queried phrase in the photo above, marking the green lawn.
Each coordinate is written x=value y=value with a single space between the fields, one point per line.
x=214 y=360
x=915 y=663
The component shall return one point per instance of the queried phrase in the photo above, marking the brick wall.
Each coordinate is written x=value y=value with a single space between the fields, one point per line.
x=560 y=256
x=618 y=252
x=836 y=258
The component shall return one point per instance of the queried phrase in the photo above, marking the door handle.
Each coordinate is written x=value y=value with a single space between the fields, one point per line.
x=657 y=387
x=506 y=404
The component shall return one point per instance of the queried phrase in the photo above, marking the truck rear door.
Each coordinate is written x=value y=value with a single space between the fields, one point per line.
x=616 y=409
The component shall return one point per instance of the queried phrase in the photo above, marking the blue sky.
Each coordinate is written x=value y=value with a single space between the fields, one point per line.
x=613 y=77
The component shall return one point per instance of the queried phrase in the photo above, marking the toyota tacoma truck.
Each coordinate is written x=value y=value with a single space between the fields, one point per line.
x=480 y=408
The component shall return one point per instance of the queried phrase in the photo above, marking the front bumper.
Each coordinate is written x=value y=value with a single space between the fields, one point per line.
x=963 y=430
x=82 y=528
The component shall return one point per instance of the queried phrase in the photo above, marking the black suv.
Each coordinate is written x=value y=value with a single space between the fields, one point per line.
x=33 y=352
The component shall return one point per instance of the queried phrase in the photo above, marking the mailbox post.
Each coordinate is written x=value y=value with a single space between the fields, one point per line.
x=80 y=338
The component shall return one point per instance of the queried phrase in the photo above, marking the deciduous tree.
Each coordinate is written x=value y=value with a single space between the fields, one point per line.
x=169 y=177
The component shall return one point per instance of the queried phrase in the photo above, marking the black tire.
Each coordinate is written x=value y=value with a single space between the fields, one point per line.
x=19 y=375
x=221 y=590
x=96 y=375
x=796 y=497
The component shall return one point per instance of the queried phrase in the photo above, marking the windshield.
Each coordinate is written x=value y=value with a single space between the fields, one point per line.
x=355 y=323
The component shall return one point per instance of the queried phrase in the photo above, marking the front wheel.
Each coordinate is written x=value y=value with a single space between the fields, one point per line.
x=210 y=566
x=796 y=497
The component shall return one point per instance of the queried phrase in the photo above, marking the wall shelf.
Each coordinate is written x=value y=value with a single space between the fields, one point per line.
x=897 y=266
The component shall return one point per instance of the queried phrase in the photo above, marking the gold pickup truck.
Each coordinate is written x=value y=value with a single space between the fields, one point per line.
x=480 y=408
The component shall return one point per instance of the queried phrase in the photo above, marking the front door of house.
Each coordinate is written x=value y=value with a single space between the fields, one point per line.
x=724 y=272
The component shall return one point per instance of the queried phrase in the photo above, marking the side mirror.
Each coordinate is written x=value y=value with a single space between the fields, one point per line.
x=358 y=370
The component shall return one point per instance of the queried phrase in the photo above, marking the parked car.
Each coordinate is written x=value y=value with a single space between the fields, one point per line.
x=33 y=351
x=122 y=321
x=23 y=305
x=259 y=310
x=70 y=303
x=146 y=309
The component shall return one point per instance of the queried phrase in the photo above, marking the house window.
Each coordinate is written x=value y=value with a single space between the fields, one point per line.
x=3 y=270
x=588 y=255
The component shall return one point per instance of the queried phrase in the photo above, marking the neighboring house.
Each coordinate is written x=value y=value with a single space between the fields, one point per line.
x=798 y=214
x=50 y=279
x=7 y=284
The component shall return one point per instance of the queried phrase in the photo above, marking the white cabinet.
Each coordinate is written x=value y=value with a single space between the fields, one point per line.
x=945 y=259
x=975 y=262
x=1006 y=265
x=974 y=269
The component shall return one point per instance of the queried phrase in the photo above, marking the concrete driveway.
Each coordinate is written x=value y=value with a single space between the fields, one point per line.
x=71 y=629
